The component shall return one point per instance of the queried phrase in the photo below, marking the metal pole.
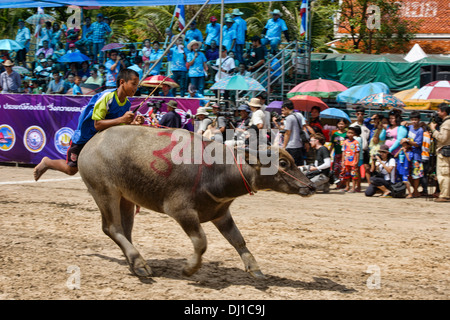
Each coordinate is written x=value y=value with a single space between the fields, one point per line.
x=220 y=47
x=174 y=41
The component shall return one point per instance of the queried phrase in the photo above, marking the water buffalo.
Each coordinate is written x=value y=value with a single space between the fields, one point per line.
x=125 y=166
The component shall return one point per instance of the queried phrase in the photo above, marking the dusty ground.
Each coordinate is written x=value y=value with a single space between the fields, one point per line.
x=335 y=246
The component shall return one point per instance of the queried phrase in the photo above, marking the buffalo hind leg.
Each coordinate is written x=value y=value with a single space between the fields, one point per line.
x=117 y=225
x=230 y=231
x=188 y=220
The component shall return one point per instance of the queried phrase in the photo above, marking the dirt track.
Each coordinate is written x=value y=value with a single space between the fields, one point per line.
x=335 y=246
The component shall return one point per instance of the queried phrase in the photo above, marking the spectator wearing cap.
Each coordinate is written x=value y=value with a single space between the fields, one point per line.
x=220 y=124
x=202 y=121
x=212 y=31
x=23 y=37
x=240 y=133
x=72 y=48
x=171 y=119
x=192 y=93
x=193 y=34
x=229 y=34
x=98 y=33
x=197 y=65
x=177 y=57
x=382 y=173
x=48 y=52
x=10 y=80
x=241 y=33
x=272 y=31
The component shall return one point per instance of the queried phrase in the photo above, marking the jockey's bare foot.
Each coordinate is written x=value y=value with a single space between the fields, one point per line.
x=40 y=169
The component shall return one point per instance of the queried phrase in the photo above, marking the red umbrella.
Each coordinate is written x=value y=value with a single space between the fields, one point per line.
x=154 y=81
x=112 y=46
x=305 y=103
x=434 y=90
x=318 y=88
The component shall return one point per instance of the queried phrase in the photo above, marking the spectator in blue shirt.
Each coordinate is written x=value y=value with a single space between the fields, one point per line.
x=98 y=33
x=197 y=65
x=23 y=37
x=85 y=43
x=137 y=66
x=241 y=34
x=113 y=66
x=229 y=35
x=193 y=34
x=177 y=57
x=212 y=31
x=155 y=54
x=272 y=31
x=76 y=89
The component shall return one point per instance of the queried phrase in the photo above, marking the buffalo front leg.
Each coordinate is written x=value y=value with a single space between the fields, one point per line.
x=116 y=223
x=230 y=231
x=188 y=220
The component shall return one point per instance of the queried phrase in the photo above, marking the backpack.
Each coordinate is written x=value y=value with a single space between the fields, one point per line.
x=398 y=190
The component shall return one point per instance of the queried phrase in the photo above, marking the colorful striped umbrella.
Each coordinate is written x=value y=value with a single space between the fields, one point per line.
x=322 y=88
x=238 y=82
x=434 y=90
x=38 y=17
x=382 y=100
x=154 y=81
x=406 y=94
x=112 y=46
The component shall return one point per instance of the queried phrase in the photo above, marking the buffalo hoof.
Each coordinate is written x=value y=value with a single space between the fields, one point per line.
x=189 y=271
x=257 y=274
x=142 y=270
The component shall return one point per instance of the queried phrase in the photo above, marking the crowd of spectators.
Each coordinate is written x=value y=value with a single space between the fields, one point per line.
x=193 y=60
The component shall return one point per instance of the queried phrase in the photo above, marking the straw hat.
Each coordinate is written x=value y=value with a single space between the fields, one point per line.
x=189 y=46
x=202 y=110
x=255 y=102
x=8 y=63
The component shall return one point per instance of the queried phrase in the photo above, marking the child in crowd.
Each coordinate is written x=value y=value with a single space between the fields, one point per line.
x=104 y=110
x=426 y=144
x=337 y=139
x=76 y=89
x=350 y=160
x=405 y=157
x=358 y=138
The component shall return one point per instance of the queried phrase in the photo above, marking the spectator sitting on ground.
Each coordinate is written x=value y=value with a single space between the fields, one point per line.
x=382 y=173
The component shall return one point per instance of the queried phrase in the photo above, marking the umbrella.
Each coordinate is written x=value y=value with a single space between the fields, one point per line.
x=356 y=93
x=406 y=94
x=238 y=82
x=333 y=113
x=305 y=103
x=274 y=106
x=434 y=90
x=112 y=46
x=318 y=88
x=21 y=70
x=382 y=100
x=154 y=81
x=36 y=18
x=8 y=44
x=74 y=57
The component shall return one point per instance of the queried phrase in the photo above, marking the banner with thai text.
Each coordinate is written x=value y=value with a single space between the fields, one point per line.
x=34 y=126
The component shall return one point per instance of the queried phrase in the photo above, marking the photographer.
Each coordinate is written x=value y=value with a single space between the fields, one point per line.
x=382 y=172
x=294 y=125
x=220 y=123
x=240 y=132
x=113 y=66
x=441 y=134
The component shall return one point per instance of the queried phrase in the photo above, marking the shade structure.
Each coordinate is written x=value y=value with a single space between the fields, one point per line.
x=38 y=17
x=334 y=113
x=112 y=46
x=356 y=93
x=382 y=100
x=74 y=57
x=434 y=90
x=155 y=81
x=238 y=82
x=406 y=94
x=8 y=44
x=305 y=103
x=322 y=88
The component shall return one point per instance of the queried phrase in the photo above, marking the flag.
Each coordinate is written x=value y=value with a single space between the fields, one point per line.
x=303 y=12
x=37 y=28
x=179 y=13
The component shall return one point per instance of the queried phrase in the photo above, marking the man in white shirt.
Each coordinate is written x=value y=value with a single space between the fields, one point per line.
x=227 y=68
x=258 y=117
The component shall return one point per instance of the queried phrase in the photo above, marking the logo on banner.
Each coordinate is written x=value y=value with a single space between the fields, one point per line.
x=62 y=139
x=7 y=137
x=34 y=139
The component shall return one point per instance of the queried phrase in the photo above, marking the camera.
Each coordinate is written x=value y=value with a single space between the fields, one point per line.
x=436 y=119
x=226 y=114
x=277 y=116
x=156 y=105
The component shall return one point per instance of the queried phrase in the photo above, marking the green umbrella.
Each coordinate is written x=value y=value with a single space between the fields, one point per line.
x=238 y=82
